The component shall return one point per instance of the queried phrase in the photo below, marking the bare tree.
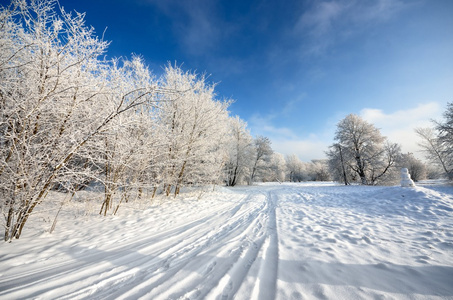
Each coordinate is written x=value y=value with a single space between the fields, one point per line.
x=445 y=128
x=437 y=142
x=435 y=150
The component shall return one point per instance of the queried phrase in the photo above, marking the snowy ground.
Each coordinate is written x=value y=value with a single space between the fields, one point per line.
x=273 y=241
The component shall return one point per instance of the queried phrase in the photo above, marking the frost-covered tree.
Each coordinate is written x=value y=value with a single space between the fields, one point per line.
x=262 y=155
x=434 y=150
x=54 y=101
x=445 y=128
x=239 y=153
x=338 y=168
x=69 y=118
x=295 y=168
x=363 y=150
x=318 y=170
x=195 y=127
x=275 y=169
x=47 y=73
x=124 y=146
x=437 y=143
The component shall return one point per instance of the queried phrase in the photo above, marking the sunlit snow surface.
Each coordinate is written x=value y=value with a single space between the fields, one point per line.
x=271 y=241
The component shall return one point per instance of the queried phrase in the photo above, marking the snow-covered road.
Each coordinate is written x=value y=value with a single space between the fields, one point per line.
x=289 y=241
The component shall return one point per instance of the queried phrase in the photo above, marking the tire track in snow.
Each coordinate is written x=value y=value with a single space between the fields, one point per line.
x=232 y=248
x=178 y=258
x=226 y=246
x=87 y=268
x=262 y=252
x=266 y=283
x=92 y=263
x=175 y=258
x=208 y=256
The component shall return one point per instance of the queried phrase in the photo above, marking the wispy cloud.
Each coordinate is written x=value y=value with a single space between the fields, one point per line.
x=377 y=11
x=305 y=149
x=194 y=23
x=399 y=126
x=286 y=141
x=263 y=125
x=318 y=20
x=325 y=23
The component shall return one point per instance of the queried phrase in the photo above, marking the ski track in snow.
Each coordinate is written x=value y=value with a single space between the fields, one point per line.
x=287 y=241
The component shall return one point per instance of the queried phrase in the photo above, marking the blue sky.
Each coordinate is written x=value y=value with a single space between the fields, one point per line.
x=295 y=68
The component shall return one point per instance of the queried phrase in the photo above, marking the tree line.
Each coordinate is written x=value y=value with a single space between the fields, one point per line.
x=70 y=118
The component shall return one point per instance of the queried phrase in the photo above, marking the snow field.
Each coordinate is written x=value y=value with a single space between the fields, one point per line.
x=273 y=241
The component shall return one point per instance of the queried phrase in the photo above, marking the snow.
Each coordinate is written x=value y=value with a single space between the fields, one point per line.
x=271 y=241
x=406 y=180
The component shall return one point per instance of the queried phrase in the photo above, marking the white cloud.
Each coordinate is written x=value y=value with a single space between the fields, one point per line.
x=286 y=141
x=399 y=126
x=260 y=125
x=305 y=149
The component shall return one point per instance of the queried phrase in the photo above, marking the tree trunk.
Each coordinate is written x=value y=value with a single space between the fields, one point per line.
x=180 y=175
x=9 y=223
x=360 y=169
x=168 y=190
x=342 y=166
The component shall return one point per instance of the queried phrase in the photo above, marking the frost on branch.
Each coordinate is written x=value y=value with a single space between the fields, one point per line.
x=57 y=97
x=69 y=118
x=192 y=122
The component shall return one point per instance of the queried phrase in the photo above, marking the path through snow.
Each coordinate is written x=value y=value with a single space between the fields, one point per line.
x=290 y=241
